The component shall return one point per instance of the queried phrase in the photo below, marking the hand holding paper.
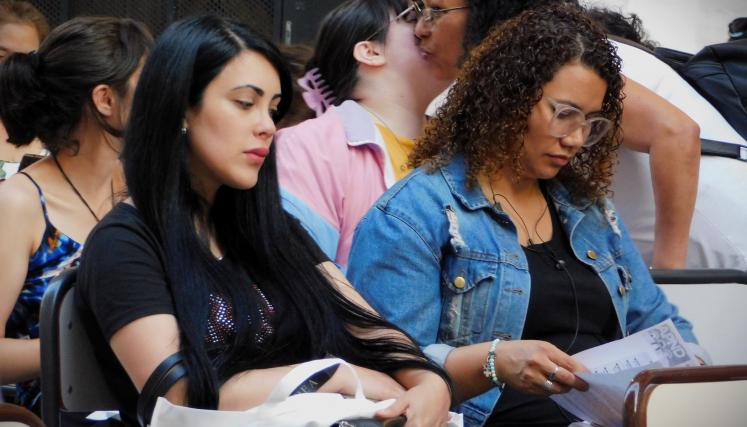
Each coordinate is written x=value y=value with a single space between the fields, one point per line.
x=614 y=365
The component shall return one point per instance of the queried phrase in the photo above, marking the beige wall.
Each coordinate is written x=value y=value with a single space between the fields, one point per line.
x=685 y=25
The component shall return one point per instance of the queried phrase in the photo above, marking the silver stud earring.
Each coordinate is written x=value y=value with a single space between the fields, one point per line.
x=184 y=130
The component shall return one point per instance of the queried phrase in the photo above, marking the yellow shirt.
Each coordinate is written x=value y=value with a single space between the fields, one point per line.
x=399 y=150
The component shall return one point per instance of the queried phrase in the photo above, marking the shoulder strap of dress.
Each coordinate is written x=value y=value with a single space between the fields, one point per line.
x=41 y=194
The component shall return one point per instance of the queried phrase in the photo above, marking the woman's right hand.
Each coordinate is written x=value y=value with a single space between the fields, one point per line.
x=527 y=365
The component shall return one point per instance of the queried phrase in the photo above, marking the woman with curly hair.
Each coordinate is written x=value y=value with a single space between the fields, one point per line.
x=503 y=254
x=447 y=30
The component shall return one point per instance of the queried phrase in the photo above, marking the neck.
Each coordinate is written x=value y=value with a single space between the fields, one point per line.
x=400 y=119
x=506 y=184
x=95 y=162
x=402 y=108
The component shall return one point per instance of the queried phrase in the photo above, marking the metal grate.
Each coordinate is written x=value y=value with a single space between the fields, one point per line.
x=261 y=15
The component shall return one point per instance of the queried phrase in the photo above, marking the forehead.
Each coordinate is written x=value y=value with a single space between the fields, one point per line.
x=579 y=84
x=18 y=37
x=248 y=68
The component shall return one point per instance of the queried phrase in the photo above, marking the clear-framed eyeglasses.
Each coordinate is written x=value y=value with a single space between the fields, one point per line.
x=429 y=15
x=403 y=16
x=566 y=119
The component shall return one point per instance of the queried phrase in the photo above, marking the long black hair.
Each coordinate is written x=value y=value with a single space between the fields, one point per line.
x=250 y=225
x=346 y=25
x=45 y=93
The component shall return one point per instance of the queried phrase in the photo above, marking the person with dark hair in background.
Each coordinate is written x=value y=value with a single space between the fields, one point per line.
x=76 y=102
x=738 y=29
x=501 y=253
x=297 y=56
x=22 y=29
x=203 y=261
x=370 y=87
x=629 y=27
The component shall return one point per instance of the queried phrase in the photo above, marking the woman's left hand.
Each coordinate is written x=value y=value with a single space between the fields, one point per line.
x=425 y=405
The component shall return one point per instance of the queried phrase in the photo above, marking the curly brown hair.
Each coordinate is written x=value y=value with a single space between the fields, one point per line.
x=486 y=114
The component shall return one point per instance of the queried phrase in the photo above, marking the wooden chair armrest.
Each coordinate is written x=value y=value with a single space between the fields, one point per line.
x=639 y=391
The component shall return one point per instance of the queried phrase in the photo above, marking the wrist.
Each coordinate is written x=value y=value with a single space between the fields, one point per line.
x=488 y=368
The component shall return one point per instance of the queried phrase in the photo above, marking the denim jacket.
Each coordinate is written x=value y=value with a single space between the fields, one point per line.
x=436 y=258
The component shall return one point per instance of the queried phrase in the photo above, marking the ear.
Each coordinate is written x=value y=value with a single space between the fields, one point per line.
x=104 y=100
x=370 y=53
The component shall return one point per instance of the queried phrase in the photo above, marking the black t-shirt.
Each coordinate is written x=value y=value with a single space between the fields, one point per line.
x=551 y=316
x=122 y=278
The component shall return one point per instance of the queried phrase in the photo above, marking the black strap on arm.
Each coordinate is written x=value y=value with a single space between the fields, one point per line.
x=723 y=149
x=160 y=381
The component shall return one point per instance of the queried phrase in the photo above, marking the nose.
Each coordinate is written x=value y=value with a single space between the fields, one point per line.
x=422 y=29
x=265 y=128
x=575 y=138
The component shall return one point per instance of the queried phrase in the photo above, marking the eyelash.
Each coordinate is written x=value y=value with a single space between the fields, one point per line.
x=247 y=105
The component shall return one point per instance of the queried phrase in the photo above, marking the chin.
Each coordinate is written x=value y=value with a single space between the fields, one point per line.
x=242 y=183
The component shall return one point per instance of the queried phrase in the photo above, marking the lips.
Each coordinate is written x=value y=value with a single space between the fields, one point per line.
x=559 y=159
x=257 y=155
x=259 y=152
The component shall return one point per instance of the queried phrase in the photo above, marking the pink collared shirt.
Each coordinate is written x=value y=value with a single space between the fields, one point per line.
x=331 y=170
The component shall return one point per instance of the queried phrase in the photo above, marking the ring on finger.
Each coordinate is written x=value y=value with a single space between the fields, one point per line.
x=547 y=386
x=551 y=377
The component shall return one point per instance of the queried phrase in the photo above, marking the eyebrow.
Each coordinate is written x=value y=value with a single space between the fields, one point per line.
x=259 y=90
x=576 y=106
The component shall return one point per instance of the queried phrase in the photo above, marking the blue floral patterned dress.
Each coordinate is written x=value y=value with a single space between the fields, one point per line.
x=56 y=253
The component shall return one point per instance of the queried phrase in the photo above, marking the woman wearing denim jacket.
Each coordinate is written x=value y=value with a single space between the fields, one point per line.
x=504 y=236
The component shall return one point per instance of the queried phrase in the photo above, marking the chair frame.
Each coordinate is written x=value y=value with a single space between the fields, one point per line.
x=643 y=385
x=64 y=388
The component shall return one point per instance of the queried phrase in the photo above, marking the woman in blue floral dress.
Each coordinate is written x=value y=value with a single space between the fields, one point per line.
x=74 y=94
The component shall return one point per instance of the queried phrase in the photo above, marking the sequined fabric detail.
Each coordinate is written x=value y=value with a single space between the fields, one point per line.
x=221 y=327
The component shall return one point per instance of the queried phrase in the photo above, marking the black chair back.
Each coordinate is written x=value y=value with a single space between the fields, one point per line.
x=72 y=379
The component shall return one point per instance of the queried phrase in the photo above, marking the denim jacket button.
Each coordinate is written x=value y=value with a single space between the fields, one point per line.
x=591 y=254
x=621 y=289
x=459 y=282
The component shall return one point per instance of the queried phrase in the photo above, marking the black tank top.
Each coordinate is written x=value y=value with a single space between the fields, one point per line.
x=552 y=317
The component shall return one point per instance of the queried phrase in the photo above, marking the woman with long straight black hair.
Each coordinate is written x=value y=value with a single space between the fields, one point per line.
x=203 y=260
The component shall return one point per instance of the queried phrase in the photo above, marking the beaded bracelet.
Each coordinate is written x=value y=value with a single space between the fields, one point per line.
x=488 y=369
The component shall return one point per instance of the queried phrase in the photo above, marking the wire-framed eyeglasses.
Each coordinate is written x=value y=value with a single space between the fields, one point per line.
x=429 y=15
x=401 y=16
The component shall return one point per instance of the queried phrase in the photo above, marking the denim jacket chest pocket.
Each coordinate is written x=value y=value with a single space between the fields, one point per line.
x=469 y=282
x=602 y=246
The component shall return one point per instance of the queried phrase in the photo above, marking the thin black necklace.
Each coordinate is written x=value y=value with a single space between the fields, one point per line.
x=549 y=252
x=524 y=224
x=77 y=193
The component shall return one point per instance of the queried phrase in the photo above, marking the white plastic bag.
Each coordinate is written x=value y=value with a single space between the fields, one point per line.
x=280 y=409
